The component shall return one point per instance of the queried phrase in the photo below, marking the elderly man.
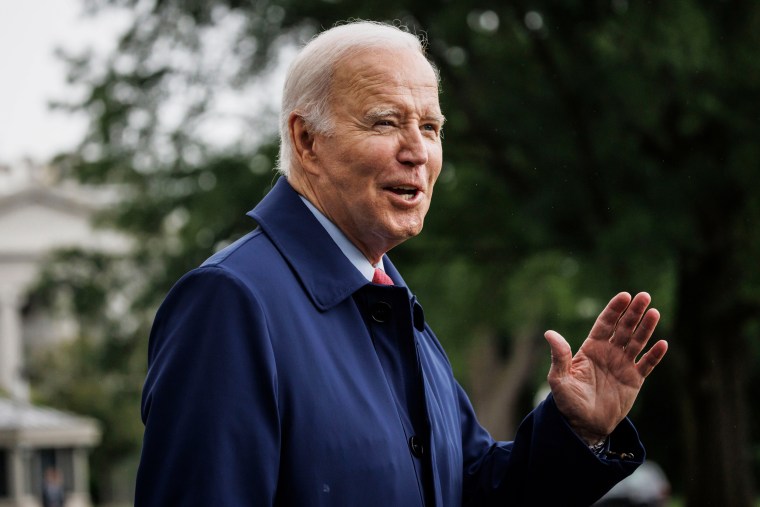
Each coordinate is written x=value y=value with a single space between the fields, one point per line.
x=295 y=367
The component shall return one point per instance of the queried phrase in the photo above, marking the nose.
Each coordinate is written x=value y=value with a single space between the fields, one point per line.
x=412 y=150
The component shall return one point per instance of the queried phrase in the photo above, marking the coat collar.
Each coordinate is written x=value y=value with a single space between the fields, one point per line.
x=325 y=273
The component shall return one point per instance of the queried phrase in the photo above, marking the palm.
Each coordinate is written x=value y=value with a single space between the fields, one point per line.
x=596 y=388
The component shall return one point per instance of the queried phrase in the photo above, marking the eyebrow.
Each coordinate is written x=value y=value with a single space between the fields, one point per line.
x=438 y=118
x=380 y=113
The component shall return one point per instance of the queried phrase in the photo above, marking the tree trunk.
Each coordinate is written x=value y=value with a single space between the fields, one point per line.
x=496 y=383
x=711 y=350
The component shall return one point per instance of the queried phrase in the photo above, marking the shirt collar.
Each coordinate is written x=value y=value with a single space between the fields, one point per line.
x=352 y=253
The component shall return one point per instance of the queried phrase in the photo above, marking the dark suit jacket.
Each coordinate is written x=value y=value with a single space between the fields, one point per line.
x=279 y=376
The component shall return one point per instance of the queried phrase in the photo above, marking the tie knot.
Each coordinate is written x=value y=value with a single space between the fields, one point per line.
x=381 y=278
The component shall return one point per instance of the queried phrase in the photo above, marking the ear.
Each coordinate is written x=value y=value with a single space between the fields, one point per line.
x=303 y=142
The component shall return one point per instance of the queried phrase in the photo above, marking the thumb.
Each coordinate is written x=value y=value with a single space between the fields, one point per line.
x=562 y=354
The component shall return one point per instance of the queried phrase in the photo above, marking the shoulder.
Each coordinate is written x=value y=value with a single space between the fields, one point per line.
x=253 y=261
x=253 y=242
x=209 y=312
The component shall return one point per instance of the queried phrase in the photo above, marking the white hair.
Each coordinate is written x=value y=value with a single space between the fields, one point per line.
x=309 y=78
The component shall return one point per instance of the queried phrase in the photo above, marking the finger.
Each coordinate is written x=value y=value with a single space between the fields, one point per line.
x=652 y=358
x=630 y=319
x=642 y=334
x=605 y=323
x=562 y=355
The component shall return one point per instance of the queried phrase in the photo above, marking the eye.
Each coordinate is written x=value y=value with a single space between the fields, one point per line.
x=384 y=123
x=430 y=127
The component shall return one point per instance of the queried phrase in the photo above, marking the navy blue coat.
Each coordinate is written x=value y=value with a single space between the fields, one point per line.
x=279 y=376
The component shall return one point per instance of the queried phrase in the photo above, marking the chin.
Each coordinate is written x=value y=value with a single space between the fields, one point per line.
x=399 y=231
x=409 y=233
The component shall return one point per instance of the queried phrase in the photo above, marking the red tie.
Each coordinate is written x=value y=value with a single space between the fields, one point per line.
x=381 y=278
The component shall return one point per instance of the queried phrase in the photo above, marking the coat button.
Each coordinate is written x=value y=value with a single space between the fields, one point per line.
x=381 y=311
x=415 y=444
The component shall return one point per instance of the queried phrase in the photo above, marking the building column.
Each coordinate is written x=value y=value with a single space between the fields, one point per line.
x=11 y=353
x=18 y=470
x=81 y=470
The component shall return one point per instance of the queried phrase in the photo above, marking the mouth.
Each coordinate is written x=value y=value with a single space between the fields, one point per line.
x=406 y=192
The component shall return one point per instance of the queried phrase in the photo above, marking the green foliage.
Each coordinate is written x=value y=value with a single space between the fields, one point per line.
x=589 y=148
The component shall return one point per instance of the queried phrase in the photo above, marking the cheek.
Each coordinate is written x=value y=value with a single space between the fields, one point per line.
x=435 y=157
x=435 y=171
x=434 y=174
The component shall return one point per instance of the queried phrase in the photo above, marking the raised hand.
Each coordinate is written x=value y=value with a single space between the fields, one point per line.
x=596 y=388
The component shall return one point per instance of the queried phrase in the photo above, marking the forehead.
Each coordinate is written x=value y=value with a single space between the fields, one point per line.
x=396 y=77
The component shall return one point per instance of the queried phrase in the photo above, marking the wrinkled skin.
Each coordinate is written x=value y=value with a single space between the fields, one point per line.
x=596 y=388
x=373 y=175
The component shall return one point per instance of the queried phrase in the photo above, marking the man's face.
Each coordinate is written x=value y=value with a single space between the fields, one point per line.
x=376 y=170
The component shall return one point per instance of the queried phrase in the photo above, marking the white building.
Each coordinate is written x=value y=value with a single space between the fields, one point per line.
x=37 y=216
x=36 y=439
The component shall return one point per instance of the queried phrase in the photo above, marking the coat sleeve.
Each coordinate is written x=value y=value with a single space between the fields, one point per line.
x=210 y=398
x=546 y=464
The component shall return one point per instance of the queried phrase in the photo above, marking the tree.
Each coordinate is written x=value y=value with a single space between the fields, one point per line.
x=589 y=148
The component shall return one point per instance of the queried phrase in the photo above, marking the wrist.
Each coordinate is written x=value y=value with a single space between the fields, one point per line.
x=590 y=438
x=597 y=447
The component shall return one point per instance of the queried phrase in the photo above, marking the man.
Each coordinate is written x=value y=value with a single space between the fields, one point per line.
x=290 y=369
x=53 y=493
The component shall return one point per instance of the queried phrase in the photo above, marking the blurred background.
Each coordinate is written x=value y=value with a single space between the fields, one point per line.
x=590 y=147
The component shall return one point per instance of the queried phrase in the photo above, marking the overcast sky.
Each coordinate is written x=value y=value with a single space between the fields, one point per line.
x=30 y=74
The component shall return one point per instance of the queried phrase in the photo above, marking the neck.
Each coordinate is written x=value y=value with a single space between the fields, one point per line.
x=303 y=186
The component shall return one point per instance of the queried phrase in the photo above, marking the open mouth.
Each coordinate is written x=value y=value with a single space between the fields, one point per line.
x=406 y=192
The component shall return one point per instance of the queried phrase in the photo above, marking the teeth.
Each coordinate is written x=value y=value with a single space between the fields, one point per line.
x=404 y=191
